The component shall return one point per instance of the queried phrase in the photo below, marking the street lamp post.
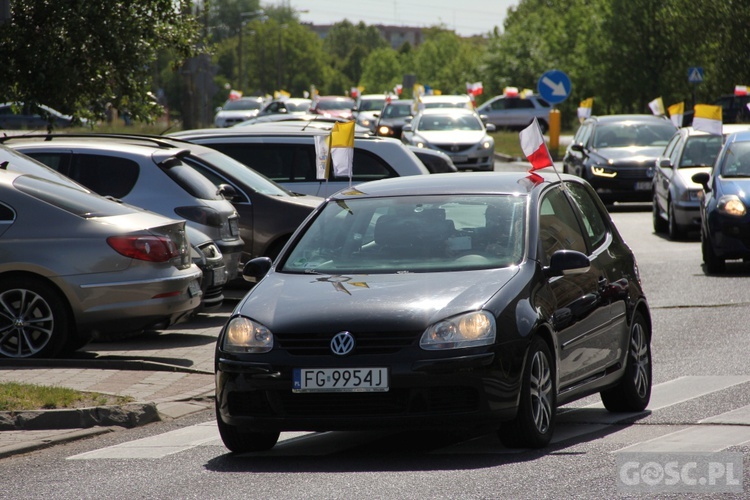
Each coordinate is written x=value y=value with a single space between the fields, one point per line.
x=279 y=57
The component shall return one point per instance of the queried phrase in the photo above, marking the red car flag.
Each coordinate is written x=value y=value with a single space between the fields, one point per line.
x=533 y=146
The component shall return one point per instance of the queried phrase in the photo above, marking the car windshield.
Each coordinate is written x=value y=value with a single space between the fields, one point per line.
x=412 y=234
x=449 y=122
x=371 y=104
x=701 y=151
x=397 y=110
x=633 y=133
x=243 y=173
x=241 y=104
x=736 y=160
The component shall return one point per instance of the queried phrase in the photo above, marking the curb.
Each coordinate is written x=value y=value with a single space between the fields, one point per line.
x=128 y=415
x=100 y=363
x=50 y=440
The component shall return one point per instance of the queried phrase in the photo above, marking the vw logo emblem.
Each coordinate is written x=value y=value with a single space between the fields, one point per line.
x=342 y=343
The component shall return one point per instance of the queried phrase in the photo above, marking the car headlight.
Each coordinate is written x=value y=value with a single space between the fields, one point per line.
x=602 y=172
x=731 y=204
x=364 y=122
x=246 y=335
x=487 y=144
x=383 y=130
x=467 y=330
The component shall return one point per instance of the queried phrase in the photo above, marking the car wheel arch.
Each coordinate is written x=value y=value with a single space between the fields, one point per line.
x=24 y=276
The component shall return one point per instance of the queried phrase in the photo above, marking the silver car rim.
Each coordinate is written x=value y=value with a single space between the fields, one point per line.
x=26 y=323
x=541 y=390
x=640 y=359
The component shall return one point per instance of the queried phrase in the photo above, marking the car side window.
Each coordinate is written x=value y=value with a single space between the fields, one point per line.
x=594 y=224
x=671 y=148
x=558 y=225
x=105 y=175
x=279 y=162
x=7 y=214
x=367 y=167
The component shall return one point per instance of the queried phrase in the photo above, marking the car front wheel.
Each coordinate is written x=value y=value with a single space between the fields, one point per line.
x=633 y=392
x=675 y=231
x=34 y=322
x=238 y=441
x=535 y=421
x=660 y=225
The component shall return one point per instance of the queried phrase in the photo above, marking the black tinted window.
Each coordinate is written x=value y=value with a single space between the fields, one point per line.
x=105 y=175
x=279 y=162
x=593 y=222
x=191 y=180
x=6 y=214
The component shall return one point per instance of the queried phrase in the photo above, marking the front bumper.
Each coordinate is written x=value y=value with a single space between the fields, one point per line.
x=466 y=390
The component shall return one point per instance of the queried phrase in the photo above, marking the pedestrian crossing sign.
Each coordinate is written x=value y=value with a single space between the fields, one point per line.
x=695 y=74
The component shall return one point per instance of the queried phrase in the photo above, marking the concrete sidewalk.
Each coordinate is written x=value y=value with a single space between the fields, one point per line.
x=168 y=375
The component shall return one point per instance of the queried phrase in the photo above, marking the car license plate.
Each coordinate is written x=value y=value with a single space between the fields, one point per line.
x=460 y=159
x=194 y=288
x=340 y=380
x=220 y=276
x=643 y=186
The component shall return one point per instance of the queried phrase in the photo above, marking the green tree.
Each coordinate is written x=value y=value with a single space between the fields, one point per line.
x=76 y=56
x=445 y=62
x=382 y=71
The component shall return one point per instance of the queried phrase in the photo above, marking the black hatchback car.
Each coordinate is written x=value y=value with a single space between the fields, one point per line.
x=441 y=302
x=616 y=154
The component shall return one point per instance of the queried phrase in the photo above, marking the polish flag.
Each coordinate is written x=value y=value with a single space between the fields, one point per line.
x=533 y=146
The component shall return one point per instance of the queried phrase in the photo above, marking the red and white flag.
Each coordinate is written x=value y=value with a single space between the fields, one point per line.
x=533 y=146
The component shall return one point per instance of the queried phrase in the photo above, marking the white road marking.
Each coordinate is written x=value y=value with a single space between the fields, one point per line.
x=711 y=434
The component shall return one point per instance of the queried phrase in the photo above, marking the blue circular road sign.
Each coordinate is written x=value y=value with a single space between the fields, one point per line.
x=554 y=86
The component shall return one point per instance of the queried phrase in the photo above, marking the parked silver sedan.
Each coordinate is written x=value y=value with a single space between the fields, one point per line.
x=76 y=266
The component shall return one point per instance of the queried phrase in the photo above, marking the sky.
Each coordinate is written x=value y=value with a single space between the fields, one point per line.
x=474 y=17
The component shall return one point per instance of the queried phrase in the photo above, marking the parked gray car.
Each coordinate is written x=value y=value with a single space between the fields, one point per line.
x=515 y=112
x=152 y=178
x=76 y=266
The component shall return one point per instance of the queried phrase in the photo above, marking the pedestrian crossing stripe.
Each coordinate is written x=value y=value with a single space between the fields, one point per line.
x=710 y=434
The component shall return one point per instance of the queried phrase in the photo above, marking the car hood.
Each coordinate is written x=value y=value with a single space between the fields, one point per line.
x=736 y=185
x=632 y=153
x=453 y=136
x=401 y=302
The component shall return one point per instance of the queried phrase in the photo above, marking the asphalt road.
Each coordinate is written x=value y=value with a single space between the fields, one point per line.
x=701 y=401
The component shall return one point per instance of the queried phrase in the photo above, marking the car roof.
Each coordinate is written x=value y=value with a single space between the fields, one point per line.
x=301 y=128
x=604 y=119
x=447 y=111
x=517 y=183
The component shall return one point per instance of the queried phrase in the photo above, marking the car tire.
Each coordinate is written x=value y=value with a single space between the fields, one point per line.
x=535 y=421
x=633 y=391
x=35 y=320
x=714 y=264
x=238 y=441
x=660 y=225
x=674 y=230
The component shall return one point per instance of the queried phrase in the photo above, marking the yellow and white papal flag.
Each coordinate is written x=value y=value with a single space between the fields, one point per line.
x=707 y=117
x=342 y=149
x=676 y=112
x=657 y=106
x=584 y=109
x=321 y=157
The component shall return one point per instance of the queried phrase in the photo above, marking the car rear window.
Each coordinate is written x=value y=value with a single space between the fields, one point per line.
x=71 y=200
x=191 y=180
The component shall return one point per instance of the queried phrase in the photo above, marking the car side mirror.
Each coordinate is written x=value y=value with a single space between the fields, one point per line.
x=407 y=128
x=256 y=269
x=567 y=262
x=664 y=163
x=703 y=179
x=577 y=147
x=490 y=127
x=227 y=191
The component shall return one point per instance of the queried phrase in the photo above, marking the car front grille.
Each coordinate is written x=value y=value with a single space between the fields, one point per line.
x=454 y=148
x=319 y=344
x=396 y=402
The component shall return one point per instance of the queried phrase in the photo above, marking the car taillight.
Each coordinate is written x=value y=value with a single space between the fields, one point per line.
x=149 y=248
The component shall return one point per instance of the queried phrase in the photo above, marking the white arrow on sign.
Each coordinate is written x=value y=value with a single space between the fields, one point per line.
x=557 y=87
